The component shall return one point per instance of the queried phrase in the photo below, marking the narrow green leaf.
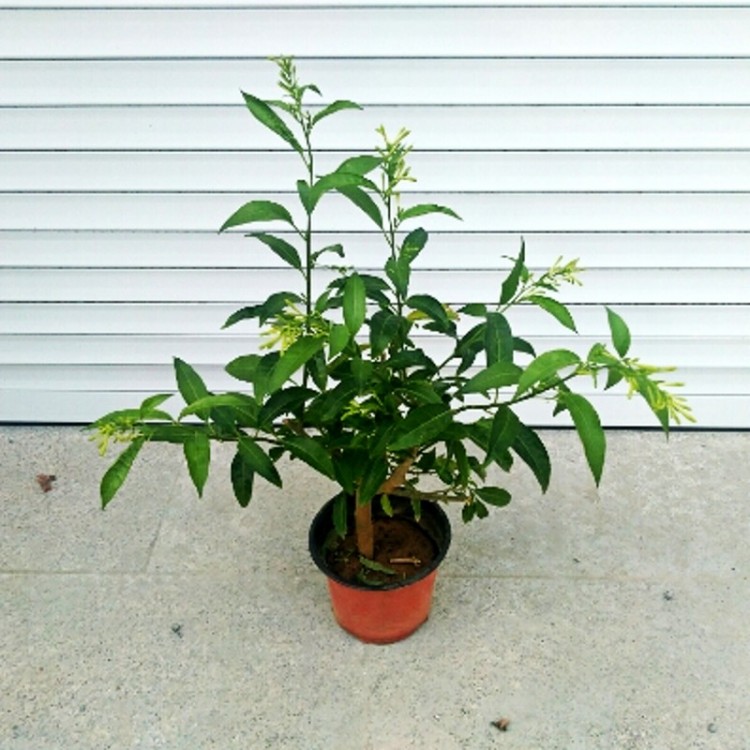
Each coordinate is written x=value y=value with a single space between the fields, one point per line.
x=384 y=327
x=385 y=504
x=532 y=452
x=361 y=165
x=245 y=406
x=149 y=410
x=363 y=201
x=421 y=426
x=310 y=451
x=620 y=332
x=590 y=431
x=432 y=308
x=302 y=350
x=266 y=116
x=510 y=285
x=338 y=249
x=242 y=477
x=426 y=208
x=354 y=303
x=340 y=513
x=499 y=375
x=496 y=496
x=505 y=427
x=281 y=247
x=330 y=405
x=258 y=460
x=498 y=339
x=286 y=401
x=333 y=107
x=545 y=366
x=336 y=181
x=118 y=472
x=556 y=309
x=376 y=471
x=338 y=338
x=190 y=384
x=376 y=566
x=197 y=450
x=475 y=309
x=258 y=211
x=244 y=367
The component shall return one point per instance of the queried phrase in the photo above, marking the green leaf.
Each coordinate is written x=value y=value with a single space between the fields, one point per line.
x=532 y=452
x=149 y=410
x=336 y=181
x=305 y=196
x=328 y=407
x=258 y=211
x=620 y=332
x=243 y=405
x=505 y=427
x=266 y=116
x=281 y=247
x=286 y=401
x=421 y=426
x=376 y=566
x=118 y=472
x=361 y=165
x=499 y=375
x=426 y=208
x=340 y=513
x=363 y=201
x=302 y=350
x=244 y=367
x=498 y=339
x=496 y=496
x=376 y=471
x=258 y=460
x=384 y=327
x=589 y=429
x=190 y=384
x=338 y=338
x=362 y=372
x=338 y=249
x=432 y=308
x=197 y=450
x=554 y=308
x=242 y=479
x=274 y=304
x=354 y=303
x=475 y=309
x=333 y=107
x=385 y=504
x=545 y=366
x=310 y=451
x=510 y=285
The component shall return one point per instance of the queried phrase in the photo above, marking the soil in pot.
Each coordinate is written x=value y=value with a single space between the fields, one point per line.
x=402 y=550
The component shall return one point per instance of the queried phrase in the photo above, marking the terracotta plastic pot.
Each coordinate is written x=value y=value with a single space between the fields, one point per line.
x=388 y=613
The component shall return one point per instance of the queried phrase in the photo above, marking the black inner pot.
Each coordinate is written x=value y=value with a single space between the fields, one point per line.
x=433 y=521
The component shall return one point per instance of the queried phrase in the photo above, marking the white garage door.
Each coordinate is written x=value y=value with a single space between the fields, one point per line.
x=618 y=134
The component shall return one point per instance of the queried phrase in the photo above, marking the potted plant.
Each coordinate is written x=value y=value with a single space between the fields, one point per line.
x=380 y=386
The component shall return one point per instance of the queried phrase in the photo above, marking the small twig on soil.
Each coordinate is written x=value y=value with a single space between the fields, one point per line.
x=405 y=561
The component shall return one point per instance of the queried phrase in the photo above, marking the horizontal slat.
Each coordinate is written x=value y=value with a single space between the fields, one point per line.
x=563 y=31
x=207 y=318
x=382 y=81
x=671 y=286
x=59 y=405
x=523 y=212
x=31 y=249
x=482 y=127
x=161 y=378
x=483 y=171
x=684 y=351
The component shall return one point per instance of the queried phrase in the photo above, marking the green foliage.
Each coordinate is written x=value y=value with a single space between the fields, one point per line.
x=345 y=386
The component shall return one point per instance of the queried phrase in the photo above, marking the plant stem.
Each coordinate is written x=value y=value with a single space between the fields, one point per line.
x=363 y=528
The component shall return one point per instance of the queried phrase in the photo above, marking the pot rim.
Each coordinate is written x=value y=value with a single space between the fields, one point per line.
x=322 y=523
